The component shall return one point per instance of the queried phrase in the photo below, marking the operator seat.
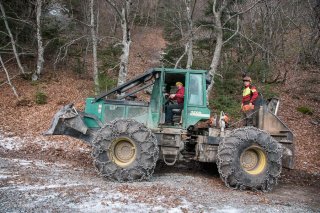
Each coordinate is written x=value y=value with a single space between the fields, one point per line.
x=177 y=115
x=177 y=111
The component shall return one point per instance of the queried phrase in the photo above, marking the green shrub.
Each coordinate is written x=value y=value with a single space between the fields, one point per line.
x=205 y=44
x=259 y=71
x=305 y=110
x=50 y=29
x=105 y=82
x=109 y=56
x=173 y=53
x=142 y=20
x=268 y=92
x=228 y=90
x=41 y=98
x=200 y=61
x=227 y=104
x=34 y=83
x=79 y=66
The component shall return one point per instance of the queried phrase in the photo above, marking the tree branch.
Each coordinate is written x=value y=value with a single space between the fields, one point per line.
x=242 y=35
x=257 y=44
x=11 y=37
x=65 y=46
x=8 y=78
x=4 y=33
x=112 y=4
x=235 y=33
x=21 y=20
x=239 y=13
x=181 y=57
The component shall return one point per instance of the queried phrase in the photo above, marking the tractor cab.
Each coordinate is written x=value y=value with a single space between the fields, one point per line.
x=194 y=105
x=161 y=81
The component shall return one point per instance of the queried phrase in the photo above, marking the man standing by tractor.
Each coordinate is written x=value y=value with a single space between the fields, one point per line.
x=249 y=99
x=179 y=97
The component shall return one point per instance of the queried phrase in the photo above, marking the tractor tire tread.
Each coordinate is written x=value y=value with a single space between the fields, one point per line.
x=233 y=175
x=143 y=166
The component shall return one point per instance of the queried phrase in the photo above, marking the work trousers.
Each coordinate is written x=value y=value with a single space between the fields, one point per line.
x=169 y=113
x=250 y=117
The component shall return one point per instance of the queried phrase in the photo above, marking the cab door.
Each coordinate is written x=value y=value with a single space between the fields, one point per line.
x=195 y=100
x=170 y=78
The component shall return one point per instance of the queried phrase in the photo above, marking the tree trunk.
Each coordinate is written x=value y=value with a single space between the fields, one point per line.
x=181 y=57
x=94 y=49
x=126 y=41
x=13 y=43
x=315 y=34
x=217 y=51
x=123 y=15
x=8 y=77
x=190 y=54
x=188 y=50
x=36 y=74
x=190 y=33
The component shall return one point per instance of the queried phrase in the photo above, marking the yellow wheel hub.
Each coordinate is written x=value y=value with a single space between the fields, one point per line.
x=253 y=160
x=123 y=151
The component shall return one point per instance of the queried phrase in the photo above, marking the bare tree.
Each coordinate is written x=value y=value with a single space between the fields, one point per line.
x=13 y=43
x=94 y=47
x=189 y=45
x=312 y=52
x=190 y=32
x=267 y=35
x=217 y=12
x=218 y=8
x=123 y=14
x=8 y=78
x=40 y=60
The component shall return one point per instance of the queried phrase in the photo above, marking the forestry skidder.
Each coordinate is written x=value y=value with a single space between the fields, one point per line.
x=128 y=137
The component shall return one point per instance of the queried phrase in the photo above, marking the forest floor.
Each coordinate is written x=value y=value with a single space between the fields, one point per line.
x=55 y=173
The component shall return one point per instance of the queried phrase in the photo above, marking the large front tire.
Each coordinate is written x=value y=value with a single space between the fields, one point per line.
x=125 y=150
x=250 y=158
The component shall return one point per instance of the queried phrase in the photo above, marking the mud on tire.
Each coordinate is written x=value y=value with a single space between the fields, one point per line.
x=125 y=150
x=250 y=159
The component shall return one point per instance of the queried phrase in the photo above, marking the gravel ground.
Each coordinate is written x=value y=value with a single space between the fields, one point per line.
x=37 y=182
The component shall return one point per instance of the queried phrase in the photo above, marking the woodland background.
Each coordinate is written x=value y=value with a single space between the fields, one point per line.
x=54 y=52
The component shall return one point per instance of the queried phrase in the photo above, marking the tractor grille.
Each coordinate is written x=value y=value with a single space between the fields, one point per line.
x=139 y=114
x=114 y=112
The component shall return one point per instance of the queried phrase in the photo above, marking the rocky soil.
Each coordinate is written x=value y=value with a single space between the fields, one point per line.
x=31 y=181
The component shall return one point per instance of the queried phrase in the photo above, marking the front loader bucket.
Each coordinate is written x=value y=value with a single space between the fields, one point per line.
x=67 y=121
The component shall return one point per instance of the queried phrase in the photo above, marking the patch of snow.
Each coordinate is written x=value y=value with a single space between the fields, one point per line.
x=117 y=202
x=18 y=143
x=43 y=198
x=22 y=162
x=229 y=209
x=7 y=176
x=37 y=187
x=185 y=205
x=10 y=143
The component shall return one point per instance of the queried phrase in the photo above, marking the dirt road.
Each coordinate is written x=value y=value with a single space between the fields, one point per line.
x=49 y=176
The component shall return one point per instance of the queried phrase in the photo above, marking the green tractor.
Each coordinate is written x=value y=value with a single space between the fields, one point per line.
x=128 y=137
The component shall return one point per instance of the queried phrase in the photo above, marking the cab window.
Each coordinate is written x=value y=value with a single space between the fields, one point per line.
x=195 y=89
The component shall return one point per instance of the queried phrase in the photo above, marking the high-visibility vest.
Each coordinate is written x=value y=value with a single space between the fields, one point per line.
x=249 y=93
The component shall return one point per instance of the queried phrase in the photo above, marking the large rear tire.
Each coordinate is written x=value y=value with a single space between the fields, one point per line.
x=250 y=158
x=125 y=150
